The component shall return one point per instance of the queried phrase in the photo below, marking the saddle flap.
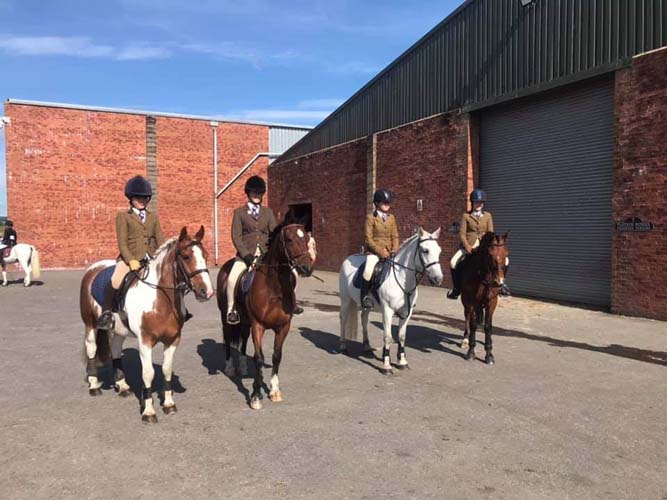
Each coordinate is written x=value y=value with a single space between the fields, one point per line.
x=100 y=283
x=379 y=276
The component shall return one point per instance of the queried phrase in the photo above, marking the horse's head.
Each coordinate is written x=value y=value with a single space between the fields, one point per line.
x=299 y=248
x=191 y=261
x=429 y=251
x=498 y=253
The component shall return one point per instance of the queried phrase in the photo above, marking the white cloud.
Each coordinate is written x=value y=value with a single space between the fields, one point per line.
x=225 y=50
x=78 y=46
x=279 y=115
x=319 y=103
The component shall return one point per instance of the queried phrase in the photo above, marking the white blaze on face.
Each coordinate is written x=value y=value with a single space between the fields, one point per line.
x=300 y=233
x=201 y=264
x=312 y=248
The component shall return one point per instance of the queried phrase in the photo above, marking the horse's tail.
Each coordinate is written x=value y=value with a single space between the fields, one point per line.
x=349 y=320
x=34 y=263
x=103 y=353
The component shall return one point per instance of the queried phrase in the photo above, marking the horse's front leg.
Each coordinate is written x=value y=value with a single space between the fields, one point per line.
x=471 y=326
x=146 y=344
x=4 y=275
x=117 y=359
x=169 y=407
x=94 y=385
x=257 y=338
x=281 y=334
x=402 y=332
x=387 y=316
x=488 y=330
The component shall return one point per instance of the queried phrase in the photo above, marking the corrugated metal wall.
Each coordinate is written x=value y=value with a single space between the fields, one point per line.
x=488 y=49
x=282 y=138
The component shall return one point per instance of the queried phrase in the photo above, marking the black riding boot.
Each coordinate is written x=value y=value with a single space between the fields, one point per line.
x=456 y=285
x=366 y=301
x=105 y=321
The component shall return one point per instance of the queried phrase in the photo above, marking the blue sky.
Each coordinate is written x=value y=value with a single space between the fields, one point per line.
x=280 y=61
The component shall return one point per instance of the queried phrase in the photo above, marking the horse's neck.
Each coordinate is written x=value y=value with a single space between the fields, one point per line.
x=275 y=270
x=405 y=272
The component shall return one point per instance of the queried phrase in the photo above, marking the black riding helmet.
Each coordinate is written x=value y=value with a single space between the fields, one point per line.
x=255 y=184
x=478 y=196
x=138 y=187
x=382 y=196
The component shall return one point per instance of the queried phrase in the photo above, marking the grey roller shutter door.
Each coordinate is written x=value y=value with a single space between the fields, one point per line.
x=547 y=167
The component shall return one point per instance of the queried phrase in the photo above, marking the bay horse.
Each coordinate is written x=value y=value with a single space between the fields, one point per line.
x=154 y=311
x=482 y=274
x=27 y=257
x=269 y=302
x=419 y=255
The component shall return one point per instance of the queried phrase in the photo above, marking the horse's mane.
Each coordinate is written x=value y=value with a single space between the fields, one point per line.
x=408 y=240
x=165 y=247
x=487 y=239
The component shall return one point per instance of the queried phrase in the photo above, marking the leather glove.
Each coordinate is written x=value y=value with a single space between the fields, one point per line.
x=385 y=254
x=248 y=260
x=468 y=249
x=135 y=265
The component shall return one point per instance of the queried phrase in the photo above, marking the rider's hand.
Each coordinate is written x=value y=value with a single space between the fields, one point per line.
x=385 y=253
x=468 y=249
x=135 y=265
x=248 y=260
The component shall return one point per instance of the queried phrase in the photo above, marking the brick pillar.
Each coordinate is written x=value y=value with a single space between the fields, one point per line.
x=151 y=159
x=473 y=155
x=371 y=170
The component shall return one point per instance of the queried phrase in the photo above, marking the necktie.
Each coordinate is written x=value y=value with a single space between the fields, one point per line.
x=142 y=214
x=255 y=211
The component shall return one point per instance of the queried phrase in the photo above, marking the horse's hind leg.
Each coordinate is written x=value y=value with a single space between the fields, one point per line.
x=387 y=316
x=147 y=374
x=367 y=348
x=94 y=385
x=243 y=357
x=169 y=407
x=257 y=338
x=275 y=395
x=402 y=330
x=117 y=359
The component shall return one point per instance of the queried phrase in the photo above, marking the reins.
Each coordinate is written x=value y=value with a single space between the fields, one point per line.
x=185 y=286
x=418 y=274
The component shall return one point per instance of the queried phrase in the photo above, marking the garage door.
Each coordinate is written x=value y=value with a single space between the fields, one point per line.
x=547 y=167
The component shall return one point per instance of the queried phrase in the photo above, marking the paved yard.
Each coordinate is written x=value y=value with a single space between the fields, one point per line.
x=575 y=407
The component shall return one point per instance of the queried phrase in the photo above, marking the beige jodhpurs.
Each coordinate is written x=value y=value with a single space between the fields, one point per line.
x=371 y=261
x=458 y=256
x=119 y=274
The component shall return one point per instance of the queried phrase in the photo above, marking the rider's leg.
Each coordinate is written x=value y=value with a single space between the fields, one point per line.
x=371 y=261
x=105 y=321
x=456 y=274
x=234 y=275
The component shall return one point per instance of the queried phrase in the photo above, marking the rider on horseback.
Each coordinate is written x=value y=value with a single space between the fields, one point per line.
x=139 y=235
x=474 y=225
x=381 y=240
x=8 y=239
x=251 y=226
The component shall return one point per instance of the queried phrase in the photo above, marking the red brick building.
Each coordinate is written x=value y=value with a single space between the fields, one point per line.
x=564 y=131
x=67 y=166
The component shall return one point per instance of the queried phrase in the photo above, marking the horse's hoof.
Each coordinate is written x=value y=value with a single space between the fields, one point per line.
x=169 y=410
x=149 y=419
x=26 y=285
x=256 y=404
x=125 y=394
x=386 y=371
x=5 y=284
x=489 y=360
x=464 y=344
x=470 y=356
x=276 y=397
x=95 y=392
x=403 y=367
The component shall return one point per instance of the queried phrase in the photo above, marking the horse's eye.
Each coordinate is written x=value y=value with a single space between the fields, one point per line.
x=425 y=250
x=186 y=257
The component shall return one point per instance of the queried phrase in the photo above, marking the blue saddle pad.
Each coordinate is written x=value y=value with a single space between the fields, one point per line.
x=247 y=281
x=100 y=283
x=384 y=274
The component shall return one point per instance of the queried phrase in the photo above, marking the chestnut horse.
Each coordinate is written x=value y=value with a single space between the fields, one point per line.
x=483 y=272
x=269 y=302
x=154 y=312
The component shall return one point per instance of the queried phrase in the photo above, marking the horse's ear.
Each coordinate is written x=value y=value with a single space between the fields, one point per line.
x=420 y=232
x=436 y=233
x=200 y=234
x=184 y=234
x=506 y=235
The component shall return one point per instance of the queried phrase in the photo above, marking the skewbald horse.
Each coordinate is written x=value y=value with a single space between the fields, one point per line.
x=155 y=310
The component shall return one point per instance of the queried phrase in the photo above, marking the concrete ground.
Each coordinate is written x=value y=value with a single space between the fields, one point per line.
x=575 y=407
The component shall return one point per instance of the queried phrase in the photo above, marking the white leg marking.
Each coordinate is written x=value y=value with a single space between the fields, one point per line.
x=93 y=383
x=147 y=373
x=167 y=370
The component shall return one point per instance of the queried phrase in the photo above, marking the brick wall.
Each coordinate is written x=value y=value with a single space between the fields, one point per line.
x=427 y=160
x=334 y=181
x=640 y=187
x=66 y=170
